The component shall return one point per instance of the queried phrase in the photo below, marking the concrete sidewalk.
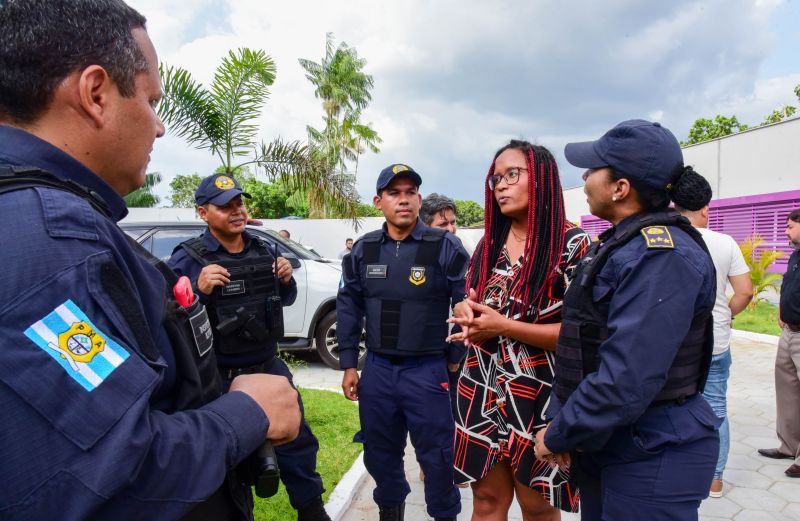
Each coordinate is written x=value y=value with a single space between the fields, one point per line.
x=756 y=488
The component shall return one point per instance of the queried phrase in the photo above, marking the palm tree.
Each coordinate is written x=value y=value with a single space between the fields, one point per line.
x=759 y=262
x=222 y=119
x=344 y=90
x=144 y=197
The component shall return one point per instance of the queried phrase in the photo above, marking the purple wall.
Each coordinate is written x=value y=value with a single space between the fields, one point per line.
x=739 y=217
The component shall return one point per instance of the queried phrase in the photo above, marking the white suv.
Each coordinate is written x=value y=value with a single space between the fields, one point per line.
x=310 y=322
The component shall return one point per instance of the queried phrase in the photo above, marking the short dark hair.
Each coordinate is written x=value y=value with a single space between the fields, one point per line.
x=348 y=239
x=794 y=215
x=44 y=41
x=433 y=204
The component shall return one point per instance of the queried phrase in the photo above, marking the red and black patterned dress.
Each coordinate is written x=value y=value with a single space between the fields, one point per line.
x=504 y=389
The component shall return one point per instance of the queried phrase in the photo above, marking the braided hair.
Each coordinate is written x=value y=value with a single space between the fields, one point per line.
x=544 y=245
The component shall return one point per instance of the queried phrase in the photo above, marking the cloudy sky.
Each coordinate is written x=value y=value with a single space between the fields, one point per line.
x=455 y=80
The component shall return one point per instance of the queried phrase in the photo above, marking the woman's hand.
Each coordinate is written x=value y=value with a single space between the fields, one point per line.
x=463 y=311
x=485 y=323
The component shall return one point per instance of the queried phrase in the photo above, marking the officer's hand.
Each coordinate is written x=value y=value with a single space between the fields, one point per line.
x=453 y=367
x=283 y=269
x=562 y=459
x=540 y=449
x=211 y=276
x=278 y=399
x=487 y=322
x=350 y=384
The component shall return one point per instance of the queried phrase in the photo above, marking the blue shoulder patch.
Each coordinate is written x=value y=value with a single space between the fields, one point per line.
x=87 y=354
x=658 y=237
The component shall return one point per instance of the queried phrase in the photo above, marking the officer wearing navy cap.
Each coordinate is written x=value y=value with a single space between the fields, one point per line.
x=636 y=341
x=244 y=284
x=113 y=408
x=403 y=278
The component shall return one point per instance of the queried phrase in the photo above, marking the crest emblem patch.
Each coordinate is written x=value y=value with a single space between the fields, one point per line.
x=224 y=182
x=83 y=351
x=417 y=276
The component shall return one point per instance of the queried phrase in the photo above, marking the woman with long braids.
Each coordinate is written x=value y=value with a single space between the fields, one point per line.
x=510 y=322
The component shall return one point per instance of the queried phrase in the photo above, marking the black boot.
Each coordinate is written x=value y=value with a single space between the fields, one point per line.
x=444 y=519
x=392 y=513
x=313 y=511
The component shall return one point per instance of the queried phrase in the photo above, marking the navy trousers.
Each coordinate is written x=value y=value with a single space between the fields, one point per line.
x=398 y=399
x=658 y=469
x=297 y=459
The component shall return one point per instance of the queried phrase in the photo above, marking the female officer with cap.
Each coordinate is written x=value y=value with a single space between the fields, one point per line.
x=635 y=341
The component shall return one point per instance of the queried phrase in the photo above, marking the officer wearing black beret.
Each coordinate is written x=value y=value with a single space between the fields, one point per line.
x=245 y=284
x=403 y=278
x=635 y=341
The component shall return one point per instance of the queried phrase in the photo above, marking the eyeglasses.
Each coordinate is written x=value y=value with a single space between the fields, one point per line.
x=511 y=177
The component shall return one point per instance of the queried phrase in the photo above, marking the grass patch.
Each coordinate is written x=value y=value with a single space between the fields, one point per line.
x=334 y=421
x=762 y=319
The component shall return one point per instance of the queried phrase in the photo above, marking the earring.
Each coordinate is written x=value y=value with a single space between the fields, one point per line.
x=614 y=198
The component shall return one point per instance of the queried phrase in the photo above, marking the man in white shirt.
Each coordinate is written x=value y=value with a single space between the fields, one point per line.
x=731 y=267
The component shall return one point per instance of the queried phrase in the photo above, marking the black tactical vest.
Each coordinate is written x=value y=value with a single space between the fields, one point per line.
x=584 y=326
x=406 y=295
x=246 y=313
x=197 y=379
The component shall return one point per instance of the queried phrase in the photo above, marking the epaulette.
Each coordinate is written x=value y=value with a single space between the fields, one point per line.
x=658 y=237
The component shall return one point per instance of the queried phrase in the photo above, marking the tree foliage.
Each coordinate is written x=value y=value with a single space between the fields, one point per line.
x=469 y=213
x=182 y=189
x=344 y=89
x=144 y=197
x=778 y=115
x=759 y=260
x=222 y=120
x=705 y=129
x=271 y=200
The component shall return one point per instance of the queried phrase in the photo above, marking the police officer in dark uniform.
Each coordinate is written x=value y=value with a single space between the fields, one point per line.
x=635 y=341
x=404 y=279
x=115 y=412
x=244 y=284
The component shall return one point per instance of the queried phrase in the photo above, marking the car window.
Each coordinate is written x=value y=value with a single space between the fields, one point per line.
x=135 y=232
x=164 y=241
x=291 y=246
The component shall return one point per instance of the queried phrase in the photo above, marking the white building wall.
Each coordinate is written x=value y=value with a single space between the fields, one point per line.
x=762 y=160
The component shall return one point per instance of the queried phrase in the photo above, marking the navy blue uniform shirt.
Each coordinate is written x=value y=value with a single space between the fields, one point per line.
x=651 y=296
x=89 y=434
x=184 y=264
x=790 y=290
x=350 y=309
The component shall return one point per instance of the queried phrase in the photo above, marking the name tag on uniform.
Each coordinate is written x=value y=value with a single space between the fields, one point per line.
x=376 y=271
x=233 y=287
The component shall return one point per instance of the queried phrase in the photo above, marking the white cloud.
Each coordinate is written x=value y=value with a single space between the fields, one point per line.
x=454 y=80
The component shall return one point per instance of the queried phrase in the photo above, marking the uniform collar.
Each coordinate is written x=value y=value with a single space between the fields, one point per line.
x=212 y=244
x=416 y=233
x=24 y=149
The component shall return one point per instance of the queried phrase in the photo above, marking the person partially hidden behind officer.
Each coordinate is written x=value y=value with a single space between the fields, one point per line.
x=109 y=385
x=403 y=278
x=787 y=359
x=244 y=284
x=636 y=339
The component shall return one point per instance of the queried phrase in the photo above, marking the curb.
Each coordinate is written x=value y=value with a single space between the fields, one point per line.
x=758 y=337
x=341 y=497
